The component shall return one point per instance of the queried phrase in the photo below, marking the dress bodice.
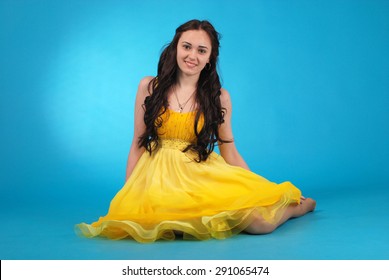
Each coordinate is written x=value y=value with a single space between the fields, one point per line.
x=179 y=126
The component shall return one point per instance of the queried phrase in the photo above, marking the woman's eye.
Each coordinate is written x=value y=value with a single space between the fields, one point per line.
x=202 y=51
x=186 y=47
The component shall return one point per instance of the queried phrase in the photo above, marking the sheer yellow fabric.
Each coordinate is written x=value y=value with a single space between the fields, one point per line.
x=169 y=192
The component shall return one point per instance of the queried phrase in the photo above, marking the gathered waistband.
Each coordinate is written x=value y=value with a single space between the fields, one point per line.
x=174 y=144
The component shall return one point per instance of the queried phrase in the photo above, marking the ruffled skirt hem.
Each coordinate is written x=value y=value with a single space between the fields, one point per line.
x=220 y=226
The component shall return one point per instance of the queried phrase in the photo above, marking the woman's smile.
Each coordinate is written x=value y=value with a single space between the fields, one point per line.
x=190 y=64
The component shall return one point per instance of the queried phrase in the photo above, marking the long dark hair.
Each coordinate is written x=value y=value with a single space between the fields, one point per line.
x=207 y=96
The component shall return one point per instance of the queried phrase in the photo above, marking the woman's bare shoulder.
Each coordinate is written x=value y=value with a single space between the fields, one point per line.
x=144 y=84
x=225 y=98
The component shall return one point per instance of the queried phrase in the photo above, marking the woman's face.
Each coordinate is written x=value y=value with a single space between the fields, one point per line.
x=193 y=51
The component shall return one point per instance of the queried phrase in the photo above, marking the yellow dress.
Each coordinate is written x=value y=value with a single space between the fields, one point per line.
x=169 y=192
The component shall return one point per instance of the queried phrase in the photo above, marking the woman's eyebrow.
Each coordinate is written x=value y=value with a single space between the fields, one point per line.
x=200 y=46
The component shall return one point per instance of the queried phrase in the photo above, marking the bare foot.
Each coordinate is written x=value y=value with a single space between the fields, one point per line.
x=306 y=205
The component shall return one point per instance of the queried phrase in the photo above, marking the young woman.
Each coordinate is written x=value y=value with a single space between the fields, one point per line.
x=175 y=183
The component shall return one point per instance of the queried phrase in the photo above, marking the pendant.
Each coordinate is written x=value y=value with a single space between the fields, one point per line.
x=180 y=109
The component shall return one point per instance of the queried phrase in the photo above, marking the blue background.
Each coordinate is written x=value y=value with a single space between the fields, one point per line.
x=309 y=82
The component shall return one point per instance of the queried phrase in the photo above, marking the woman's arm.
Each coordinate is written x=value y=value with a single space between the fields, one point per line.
x=228 y=150
x=139 y=126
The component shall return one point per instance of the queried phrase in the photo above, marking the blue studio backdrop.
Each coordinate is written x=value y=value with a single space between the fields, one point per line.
x=309 y=82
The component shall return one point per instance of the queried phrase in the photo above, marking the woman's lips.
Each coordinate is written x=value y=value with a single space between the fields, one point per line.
x=190 y=64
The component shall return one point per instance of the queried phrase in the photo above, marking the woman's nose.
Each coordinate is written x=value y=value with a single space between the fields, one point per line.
x=192 y=54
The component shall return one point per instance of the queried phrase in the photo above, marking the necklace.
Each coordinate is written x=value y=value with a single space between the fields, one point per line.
x=182 y=106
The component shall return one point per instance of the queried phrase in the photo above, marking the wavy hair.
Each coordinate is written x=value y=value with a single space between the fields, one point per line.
x=207 y=97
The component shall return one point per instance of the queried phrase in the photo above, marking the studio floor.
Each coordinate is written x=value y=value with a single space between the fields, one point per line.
x=346 y=225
